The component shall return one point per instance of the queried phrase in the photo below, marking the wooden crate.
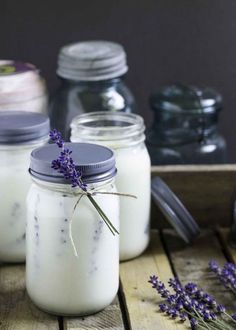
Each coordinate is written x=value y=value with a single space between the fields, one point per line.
x=208 y=192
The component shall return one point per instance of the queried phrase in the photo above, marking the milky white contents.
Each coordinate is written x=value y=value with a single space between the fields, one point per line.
x=133 y=177
x=15 y=182
x=58 y=281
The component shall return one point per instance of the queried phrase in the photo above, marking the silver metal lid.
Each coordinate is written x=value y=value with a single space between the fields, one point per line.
x=92 y=61
x=22 y=126
x=174 y=211
x=97 y=163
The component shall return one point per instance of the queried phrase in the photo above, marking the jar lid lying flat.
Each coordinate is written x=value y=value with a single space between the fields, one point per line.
x=92 y=61
x=97 y=163
x=174 y=211
x=181 y=98
x=22 y=127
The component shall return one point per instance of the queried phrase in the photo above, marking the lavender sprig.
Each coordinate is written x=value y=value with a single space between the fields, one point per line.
x=64 y=164
x=226 y=275
x=191 y=302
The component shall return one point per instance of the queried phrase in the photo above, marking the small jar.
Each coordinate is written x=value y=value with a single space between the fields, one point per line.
x=22 y=87
x=91 y=75
x=124 y=133
x=20 y=133
x=57 y=280
x=185 y=128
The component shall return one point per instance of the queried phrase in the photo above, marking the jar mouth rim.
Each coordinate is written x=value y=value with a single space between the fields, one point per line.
x=116 y=126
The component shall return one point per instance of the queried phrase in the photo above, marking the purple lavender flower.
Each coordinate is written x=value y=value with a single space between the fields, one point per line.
x=233 y=317
x=56 y=137
x=159 y=286
x=163 y=308
x=227 y=274
x=189 y=301
x=220 y=308
x=64 y=163
x=193 y=323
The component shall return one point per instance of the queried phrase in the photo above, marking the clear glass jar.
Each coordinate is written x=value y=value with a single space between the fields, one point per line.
x=124 y=133
x=15 y=149
x=185 y=128
x=57 y=280
x=91 y=75
x=22 y=87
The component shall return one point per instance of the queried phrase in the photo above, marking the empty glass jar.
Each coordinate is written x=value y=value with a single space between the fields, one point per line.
x=91 y=75
x=185 y=128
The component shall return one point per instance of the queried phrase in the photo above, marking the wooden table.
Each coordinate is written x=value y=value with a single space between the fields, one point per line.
x=136 y=304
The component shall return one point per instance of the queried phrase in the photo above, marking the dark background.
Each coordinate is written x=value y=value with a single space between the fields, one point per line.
x=192 y=41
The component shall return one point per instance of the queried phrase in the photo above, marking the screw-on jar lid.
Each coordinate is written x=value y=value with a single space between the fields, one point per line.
x=97 y=163
x=92 y=61
x=180 y=98
x=21 y=127
x=174 y=210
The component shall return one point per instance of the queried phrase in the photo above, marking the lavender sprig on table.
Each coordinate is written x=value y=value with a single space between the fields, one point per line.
x=64 y=164
x=226 y=274
x=191 y=303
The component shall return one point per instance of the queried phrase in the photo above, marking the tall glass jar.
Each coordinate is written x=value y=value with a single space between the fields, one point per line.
x=57 y=280
x=91 y=75
x=185 y=127
x=22 y=87
x=124 y=133
x=20 y=133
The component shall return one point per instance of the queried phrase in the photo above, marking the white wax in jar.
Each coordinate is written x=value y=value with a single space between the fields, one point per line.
x=57 y=281
x=15 y=182
x=133 y=177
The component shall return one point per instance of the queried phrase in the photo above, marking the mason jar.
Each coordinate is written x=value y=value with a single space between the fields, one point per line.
x=72 y=260
x=124 y=133
x=92 y=79
x=185 y=128
x=20 y=133
x=22 y=87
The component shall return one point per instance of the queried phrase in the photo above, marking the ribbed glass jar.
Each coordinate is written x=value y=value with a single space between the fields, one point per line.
x=124 y=134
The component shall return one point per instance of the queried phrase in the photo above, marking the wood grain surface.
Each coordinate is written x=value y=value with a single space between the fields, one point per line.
x=208 y=192
x=17 y=312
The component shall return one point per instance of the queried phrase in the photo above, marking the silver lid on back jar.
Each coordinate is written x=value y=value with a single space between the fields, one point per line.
x=180 y=98
x=97 y=163
x=92 y=61
x=22 y=127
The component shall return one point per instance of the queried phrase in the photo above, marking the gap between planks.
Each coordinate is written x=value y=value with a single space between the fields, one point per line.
x=191 y=264
x=16 y=310
x=140 y=299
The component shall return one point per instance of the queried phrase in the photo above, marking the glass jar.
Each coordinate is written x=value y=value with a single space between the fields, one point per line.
x=124 y=133
x=22 y=87
x=20 y=133
x=185 y=128
x=57 y=280
x=91 y=75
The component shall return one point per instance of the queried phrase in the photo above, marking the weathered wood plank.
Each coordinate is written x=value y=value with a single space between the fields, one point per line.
x=231 y=253
x=141 y=300
x=191 y=264
x=206 y=191
x=109 y=318
x=16 y=310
